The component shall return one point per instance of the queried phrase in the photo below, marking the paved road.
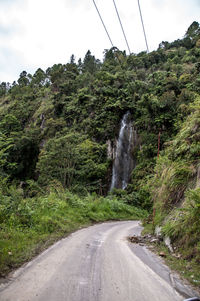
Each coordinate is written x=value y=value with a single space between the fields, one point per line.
x=94 y=264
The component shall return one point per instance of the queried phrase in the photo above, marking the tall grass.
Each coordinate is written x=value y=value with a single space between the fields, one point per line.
x=28 y=225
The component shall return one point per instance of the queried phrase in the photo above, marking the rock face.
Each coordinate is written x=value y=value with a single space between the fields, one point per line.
x=158 y=232
x=167 y=242
x=124 y=161
x=110 y=150
x=198 y=177
x=42 y=117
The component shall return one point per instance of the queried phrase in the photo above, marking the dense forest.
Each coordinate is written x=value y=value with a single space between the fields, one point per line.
x=58 y=132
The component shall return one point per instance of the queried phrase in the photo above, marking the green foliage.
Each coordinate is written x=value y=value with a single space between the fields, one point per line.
x=59 y=159
x=5 y=145
x=176 y=167
x=27 y=224
x=55 y=127
x=88 y=100
x=139 y=198
x=183 y=226
x=174 y=187
x=72 y=159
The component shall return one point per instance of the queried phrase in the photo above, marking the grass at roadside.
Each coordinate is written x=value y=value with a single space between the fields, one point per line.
x=188 y=268
x=30 y=225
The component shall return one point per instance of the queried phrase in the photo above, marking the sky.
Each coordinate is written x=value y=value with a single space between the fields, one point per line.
x=39 y=33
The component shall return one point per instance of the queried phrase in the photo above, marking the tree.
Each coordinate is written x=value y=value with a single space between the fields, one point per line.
x=193 y=30
x=5 y=145
x=39 y=77
x=164 y=45
x=59 y=159
x=90 y=64
x=192 y=35
x=72 y=59
x=24 y=78
x=3 y=88
x=72 y=159
x=10 y=124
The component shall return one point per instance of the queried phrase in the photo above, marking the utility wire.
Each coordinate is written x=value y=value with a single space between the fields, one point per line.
x=106 y=32
x=121 y=26
x=143 y=25
x=103 y=23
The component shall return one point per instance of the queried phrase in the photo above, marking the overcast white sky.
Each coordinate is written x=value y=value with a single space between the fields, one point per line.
x=40 y=33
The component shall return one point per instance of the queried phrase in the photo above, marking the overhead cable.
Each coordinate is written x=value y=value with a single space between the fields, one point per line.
x=143 y=26
x=121 y=26
x=103 y=23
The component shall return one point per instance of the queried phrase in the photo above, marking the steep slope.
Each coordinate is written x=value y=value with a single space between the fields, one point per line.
x=59 y=130
x=84 y=104
x=175 y=188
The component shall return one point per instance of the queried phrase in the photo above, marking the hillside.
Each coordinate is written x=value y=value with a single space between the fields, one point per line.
x=59 y=131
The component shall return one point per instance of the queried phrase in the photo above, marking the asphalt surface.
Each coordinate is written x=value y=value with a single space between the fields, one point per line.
x=96 y=264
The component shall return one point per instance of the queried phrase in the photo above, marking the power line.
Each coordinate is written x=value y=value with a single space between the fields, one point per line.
x=122 y=27
x=143 y=26
x=103 y=23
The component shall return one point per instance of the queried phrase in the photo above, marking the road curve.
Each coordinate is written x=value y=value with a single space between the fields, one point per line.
x=94 y=264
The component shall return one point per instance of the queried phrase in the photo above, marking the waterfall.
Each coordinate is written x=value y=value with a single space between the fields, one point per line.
x=124 y=162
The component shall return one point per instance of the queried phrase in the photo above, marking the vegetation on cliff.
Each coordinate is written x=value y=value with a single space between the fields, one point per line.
x=56 y=126
x=175 y=191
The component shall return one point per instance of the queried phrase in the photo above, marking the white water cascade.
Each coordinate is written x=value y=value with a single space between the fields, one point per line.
x=124 y=161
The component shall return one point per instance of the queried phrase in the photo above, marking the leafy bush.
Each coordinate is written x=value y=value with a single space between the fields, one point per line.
x=183 y=225
x=28 y=223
